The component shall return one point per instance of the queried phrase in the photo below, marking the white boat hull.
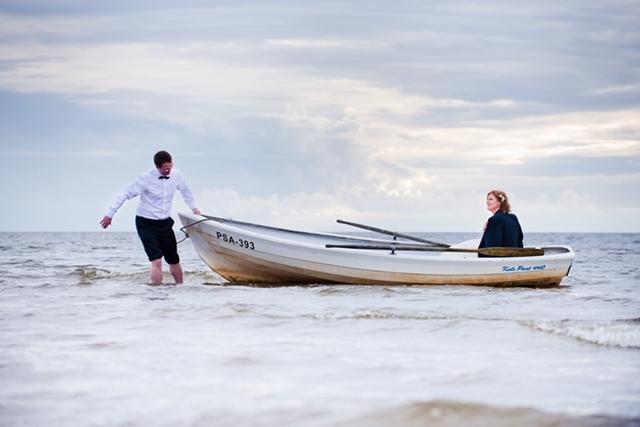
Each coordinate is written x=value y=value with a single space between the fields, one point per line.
x=250 y=253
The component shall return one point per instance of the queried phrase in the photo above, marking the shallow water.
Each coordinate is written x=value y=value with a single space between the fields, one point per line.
x=84 y=341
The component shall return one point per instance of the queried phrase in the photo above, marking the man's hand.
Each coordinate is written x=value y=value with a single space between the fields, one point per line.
x=105 y=221
x=197 y=211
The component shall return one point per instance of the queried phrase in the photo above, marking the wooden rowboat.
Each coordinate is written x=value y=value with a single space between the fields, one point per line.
x=243 y=252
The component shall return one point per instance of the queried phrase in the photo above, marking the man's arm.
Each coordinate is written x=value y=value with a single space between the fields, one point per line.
x=132 y=190
x=187 y=196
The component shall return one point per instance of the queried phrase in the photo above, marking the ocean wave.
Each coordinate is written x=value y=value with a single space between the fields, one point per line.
x=88 y=274
x=615 y=333
x=28 y=263
x=331 y=290
x=446 y=413
x=207 y=275
x=366 y=314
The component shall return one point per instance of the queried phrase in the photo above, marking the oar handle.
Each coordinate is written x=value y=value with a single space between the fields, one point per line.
x=392 y=233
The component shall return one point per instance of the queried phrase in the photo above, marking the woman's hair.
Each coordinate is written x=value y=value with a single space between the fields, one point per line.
x=501 y=196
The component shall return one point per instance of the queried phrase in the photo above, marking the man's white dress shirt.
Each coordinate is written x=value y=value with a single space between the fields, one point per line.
x=156 y=194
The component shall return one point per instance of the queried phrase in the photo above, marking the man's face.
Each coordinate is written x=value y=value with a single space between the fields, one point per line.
x=165 y=169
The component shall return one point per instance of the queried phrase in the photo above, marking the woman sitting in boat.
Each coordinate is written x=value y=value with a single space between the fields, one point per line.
x=503 y=228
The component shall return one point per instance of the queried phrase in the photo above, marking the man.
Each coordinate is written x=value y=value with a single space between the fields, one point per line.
x=156 y=188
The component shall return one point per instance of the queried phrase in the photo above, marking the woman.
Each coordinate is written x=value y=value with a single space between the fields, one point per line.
x=503 y=228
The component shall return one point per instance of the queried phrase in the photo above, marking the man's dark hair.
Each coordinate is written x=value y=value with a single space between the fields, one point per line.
x=161 y=157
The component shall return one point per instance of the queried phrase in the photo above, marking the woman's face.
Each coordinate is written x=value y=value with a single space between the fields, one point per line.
x=492 y=203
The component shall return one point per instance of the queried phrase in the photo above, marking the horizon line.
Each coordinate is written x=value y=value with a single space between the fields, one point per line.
x=332 y=232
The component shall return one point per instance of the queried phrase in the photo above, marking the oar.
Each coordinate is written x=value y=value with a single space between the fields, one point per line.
x=498 y=252
x=393 y=233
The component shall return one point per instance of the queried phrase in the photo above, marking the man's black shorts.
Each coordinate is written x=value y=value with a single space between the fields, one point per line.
x=158 y=239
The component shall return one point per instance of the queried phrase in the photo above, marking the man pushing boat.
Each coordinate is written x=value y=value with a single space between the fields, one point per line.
x=156 y=189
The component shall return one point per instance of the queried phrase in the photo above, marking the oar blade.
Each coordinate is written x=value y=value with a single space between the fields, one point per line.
x=500 y=252
x=495 y=252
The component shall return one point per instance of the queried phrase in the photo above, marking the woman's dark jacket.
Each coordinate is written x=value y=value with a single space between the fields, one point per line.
x=503 y=230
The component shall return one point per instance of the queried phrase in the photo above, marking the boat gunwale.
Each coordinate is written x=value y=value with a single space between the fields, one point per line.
x=228 y=223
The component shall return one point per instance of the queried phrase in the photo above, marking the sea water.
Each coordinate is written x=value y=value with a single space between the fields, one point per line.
x=85 y=341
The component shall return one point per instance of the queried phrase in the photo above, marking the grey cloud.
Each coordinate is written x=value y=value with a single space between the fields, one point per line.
x=546 y=53
x=544 y=57
x=575 y=166
x=261 y=156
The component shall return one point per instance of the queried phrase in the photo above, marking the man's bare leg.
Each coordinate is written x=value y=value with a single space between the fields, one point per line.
x=155 y=272
x=176 y=272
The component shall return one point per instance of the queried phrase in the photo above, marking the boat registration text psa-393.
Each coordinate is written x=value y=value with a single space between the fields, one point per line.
x=227 y=238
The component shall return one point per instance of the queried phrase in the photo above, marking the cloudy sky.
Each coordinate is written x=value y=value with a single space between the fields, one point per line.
x=398 y=114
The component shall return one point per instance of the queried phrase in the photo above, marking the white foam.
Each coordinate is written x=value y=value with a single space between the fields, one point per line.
x=619 y=333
